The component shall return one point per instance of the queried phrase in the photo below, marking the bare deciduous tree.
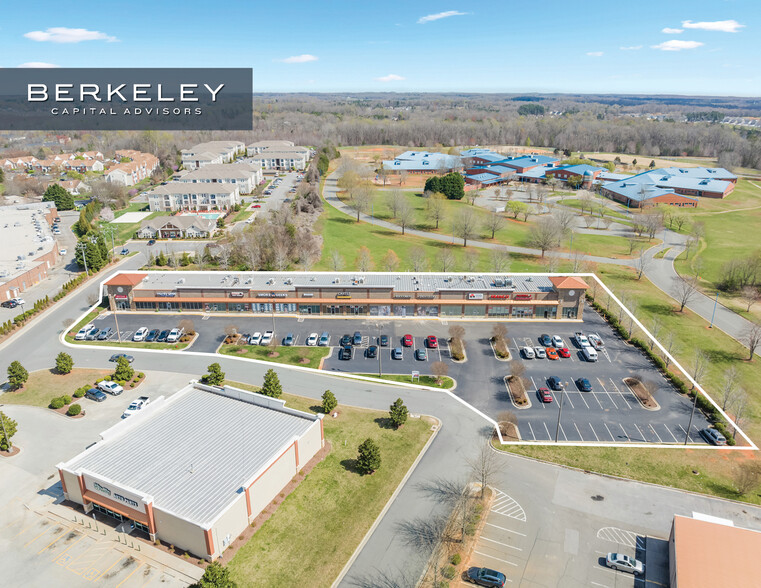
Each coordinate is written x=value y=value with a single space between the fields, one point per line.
x=684 y=290
x=445 y=259
x=642 y=262
x=363 y=198
x=499 y=259
x=545 y=234
x=750 y=295
x=471 y=259
x=589 y=220
x=747 y=476
x=483 y=466
x=494 y=222
x=729 y=386
x=364 y=259
x=668 y=344
x=418 y=259
x=655 y=328
x=390 y=261
x=396 y=197
x=517 y=369
x=405 y=214
x=698 y=366
x=439 y=369
x=465 y=225
x=435 y=208
x=751 y=338
x=336 y=260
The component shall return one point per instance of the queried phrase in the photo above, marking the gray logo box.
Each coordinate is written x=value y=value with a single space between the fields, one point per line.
x=113 y=99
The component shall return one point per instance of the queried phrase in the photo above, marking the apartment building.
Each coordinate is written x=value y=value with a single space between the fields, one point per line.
x=189 y=196
x=212 y=152
x=137 y=167
x=246 y=176
x=259 y=146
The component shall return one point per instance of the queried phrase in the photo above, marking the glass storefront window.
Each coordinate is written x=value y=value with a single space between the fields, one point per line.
x=475 y=310
x=499 y=310
x=427 y=310
x=569 y=312
x=404 y=310
x=451 y=310
x=309 y=308
x=547 y=312
x=145 y=305
x=191 y=306
x=523 y=311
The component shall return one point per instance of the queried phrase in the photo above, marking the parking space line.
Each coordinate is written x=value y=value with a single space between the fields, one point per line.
x=128 y=577
x=608 y=393
x=549 y=437
x=500 y=543
x=44 y=530
x=581 y=437
x=601 y=585
x=624 y=430
x=656 y=433
x=594 y=395
x=533 y=383
x=584 y=400
x=25 y=529
x=531 y=429
x=69 y=547
x=669 y=432
x=593 y=432
x=644 y=439
x=485 y=555
x=626 y=401
x=505 y=529
x=562 y=431
x=612 y=438
x=118 y=559
x=55 y=538
x=568 y=396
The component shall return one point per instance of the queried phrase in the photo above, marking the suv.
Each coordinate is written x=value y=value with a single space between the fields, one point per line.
x=95 y=394
x=383 y=341
x=583 y=385
x=713 y=436
x=140 y=334
x=152 y=336
x=371 y=352
x=345 y=341
x=346 y=352
x=255 y=339
x=9 y=304
x=174 y=335
x=324 y=339
x=486 y=577
x=267 y=337
x=312 y=339
x=163 y=336
x=528 y=352
x=105 y=334
x=357 y=339
x=555 y=383
x=545 y=340
x=92 y=334
x=82 y=333
x=111 y=387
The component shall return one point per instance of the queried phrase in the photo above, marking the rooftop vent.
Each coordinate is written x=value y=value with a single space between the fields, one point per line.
x=181 y=281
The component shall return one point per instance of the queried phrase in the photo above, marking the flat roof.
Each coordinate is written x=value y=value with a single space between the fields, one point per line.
x=193 y=452
x=714 y=554
x=20 y=236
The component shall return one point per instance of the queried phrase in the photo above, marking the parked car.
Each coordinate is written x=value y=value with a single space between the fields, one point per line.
x=357 y=339
x=581 y=339
x=544 y=394
x=583 y=385
x=589 y=353
x=256 y=206
x=289 y=340
x=545 y=340
x=408 y=341
x=151 y=242
x=555 y=383
x=431 y=341
x=552 y=353
x=624 y=563
x=255 y=339
x=19 y=301
x=421 y=354
x=540 y=352
x=136 y=406
x=346 y=352
x=92 y=334
x=486 y=577
x=62 y=251
x=383 y=341
x=111 y=387
x=57 y=219
x=372 y=352
x=174 y=335
x=564 y=352
x=324 y=339
x=312 y=339
x=124 y=251
x=82 y=333
x=153 y=335
x=396 y=353
x=95 y=394
x=105 y=334
x=557 y=341
x=713 y=436
x=162 y=336
x=267 y=338
x=596 y=340
x=345 y=340
x=528 y=352
x=115 y=357
x=140 y=334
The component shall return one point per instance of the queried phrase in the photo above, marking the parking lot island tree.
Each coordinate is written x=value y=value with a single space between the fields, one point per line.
x=17 y=375
x=215 y=375
x=64 y=363
x=271 y=386
x=215 y=576
x=368 y=457
x=124 y=370
x=483 y=466
x=8 y=428
x=398 y=413
x=440 y=370
x=329 y=402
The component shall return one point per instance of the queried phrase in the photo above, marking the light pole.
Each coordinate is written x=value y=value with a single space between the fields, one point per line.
x=110 y=231
x=82 y=246
x=692 y=414
x=380 y=331
x=713 y=314
x=560 y=412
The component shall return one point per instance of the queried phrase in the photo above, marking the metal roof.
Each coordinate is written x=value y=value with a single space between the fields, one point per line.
x=715 y=173
x=194 y=453
x=580 y=169
x=529 y=161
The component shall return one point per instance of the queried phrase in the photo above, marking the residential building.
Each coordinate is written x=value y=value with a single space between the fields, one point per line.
x=282 y=158
x=133 y=167
x=260 y=146
x=212 y=152
x=246 y=176
x=186 y=226
x=148 y=469
x=189 y=196
x=499 y=296
x=74 y=187
x=83 y=165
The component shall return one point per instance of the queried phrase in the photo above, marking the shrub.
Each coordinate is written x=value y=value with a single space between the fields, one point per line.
x=17 y=375
x=329 y=402
x=368 y=457
x=271 y=386
x=398 y=413
x=124 y=370
x=215 y=377
x=80 y=392
x=141 y=375
x=455 y=559
x=64 y=363
x=449 y=572
x=74 y=410
x=57 y=403
x=66 y=399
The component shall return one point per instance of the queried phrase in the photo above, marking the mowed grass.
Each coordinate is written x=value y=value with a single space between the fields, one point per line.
x=446 y=382
x=126 y=231
x=318 y=526
x=44 y=385
x=671 y=467
x=287 y=355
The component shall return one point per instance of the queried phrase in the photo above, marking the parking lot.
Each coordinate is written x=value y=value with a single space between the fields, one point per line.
x=609 y=413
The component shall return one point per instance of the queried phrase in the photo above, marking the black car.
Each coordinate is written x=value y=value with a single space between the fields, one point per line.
x=115 y=357
x=545 y=340
x=346 y=352
x=372 y=351
x=345 y=341
x=152 y=242
x=9 y=304
x=152 y=336
x=384 y=341
x=357 y=339
x=95 y=394
x=555 y=383
x=105 y=334
x=162 y=336
x=486 y=577
x=583 y=385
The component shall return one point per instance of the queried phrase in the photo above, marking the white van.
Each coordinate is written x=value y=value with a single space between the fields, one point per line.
x=590 y=354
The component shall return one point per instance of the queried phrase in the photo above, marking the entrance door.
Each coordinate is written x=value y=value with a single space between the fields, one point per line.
x=122 y=305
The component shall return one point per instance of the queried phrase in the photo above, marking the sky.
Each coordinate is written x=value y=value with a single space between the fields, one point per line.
x=644 y=47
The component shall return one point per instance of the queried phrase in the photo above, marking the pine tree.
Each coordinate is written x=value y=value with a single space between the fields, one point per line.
x=17 y=375
x=215 y=377
x=271 y=386
x=215 y=576
x=329 y=402
x=64 y=363
x=124 y=370
x=368 y=457
x=398 y=413
x=9 y=427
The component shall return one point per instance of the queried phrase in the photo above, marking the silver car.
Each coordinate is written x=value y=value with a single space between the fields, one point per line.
x=540 y=352
x=624 y=563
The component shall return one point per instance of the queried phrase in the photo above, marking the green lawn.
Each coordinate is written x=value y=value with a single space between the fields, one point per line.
x=446 y=382
x=318 y=526
x=607 y=245
x=44 y=385
x=131 y=344
x=241 y=215
x=619 y=214
x=287 y=355
x=125 y=231
x=133 y=207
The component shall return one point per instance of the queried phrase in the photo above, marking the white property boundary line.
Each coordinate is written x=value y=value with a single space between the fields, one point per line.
x=750 y=447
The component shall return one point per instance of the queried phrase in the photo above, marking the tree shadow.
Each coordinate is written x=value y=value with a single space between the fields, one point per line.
x=344 y=220
x=385 y=423
x=317 y=408
x=351 y=465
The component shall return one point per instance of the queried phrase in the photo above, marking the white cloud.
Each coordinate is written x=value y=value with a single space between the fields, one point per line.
x=66 y=35
x=38 y=64
x=725 y=26
x=594 y=53
x=672 y=31
x=390 y=78
x=306 y=58
x=675 y=45
x=631 y=48
x=440 y=15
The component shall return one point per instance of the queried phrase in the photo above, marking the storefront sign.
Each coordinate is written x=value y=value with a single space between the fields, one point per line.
x=523 y=296
x=475 y=296
x=122 y=496
x=120 y=296
x=237 y=294
x=426 y=296
x=166 y=294
x=499 y=296
x=402 y=296
x=343 y=295
x=271 y=295
x=308 y=295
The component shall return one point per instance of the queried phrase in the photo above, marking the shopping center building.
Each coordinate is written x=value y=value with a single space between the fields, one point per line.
x=514 y=296
x=195 y=469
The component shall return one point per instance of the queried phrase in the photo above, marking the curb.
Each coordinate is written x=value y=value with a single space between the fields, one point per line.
x=512 y=399
x=497 y=357
x=387 y=506
x=657 y=406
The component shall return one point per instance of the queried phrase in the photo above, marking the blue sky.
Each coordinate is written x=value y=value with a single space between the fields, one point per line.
x=710 y=47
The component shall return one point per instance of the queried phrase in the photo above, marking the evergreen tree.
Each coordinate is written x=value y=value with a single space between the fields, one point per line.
x=215 y=377
x=94 y=259
x=368 y=457
x=271 y=386
x=58 y=194
x=433 y=184
x=329 y=402
x=105 y=254
x=64 y=363
x=9 y=427
x=215 y=576
x=398 y=413
x=123 y=371
x=17 y=375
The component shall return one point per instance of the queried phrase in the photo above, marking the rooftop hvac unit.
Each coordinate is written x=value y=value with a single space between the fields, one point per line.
x=361 y=280
x=288 y=282
x=181 y=281
x=499 y=282
x=337 y=281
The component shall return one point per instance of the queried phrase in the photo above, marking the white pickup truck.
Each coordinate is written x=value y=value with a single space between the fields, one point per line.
x=581 y=339
x=136 y=406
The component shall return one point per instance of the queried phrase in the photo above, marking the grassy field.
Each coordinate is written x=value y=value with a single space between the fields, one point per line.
x=44 y=385
x=674 y=467
x=125 y=231
x=131 y=344
x=334 y=503
x=446 y=382
x=241 y=216
x=619 y=213
x=287 y=355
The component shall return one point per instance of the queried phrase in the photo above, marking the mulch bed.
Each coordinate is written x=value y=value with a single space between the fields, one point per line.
x=641 y=392
x=15 y=450
x=518 y=391
x=63 y=410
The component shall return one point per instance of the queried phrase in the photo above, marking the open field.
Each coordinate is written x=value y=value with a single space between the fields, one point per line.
x=287 y=355
x=334 y=502
x=125 y=231
x=43 y=385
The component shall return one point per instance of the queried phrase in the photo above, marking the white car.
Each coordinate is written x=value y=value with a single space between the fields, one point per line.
x=267 y=337
x=596 y=341
x=312 y=339
x=82 y=333
x=557 y=342
x=255 y=339
x=62 y=252
x=136 y=406
x=624 y=563
x=582 y=340
x=19 y=301
x=528 y=353
x=540 y=352
x=111 y=387
x=174 y=335
x=140 y=334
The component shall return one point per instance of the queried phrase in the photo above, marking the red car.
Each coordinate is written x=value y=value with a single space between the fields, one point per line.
x=432 y=341
x=407 y=340
x=564 y=352
x=256 y=206
x=544 y=394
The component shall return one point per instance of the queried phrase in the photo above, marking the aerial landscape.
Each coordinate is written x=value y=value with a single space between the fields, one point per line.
x=460 y=295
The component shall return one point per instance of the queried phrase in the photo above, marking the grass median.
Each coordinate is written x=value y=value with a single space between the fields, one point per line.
x=44 y=385
x=304 y=356
x=445 y=384
x=318 y=526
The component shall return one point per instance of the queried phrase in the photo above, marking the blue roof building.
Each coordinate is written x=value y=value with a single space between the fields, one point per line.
x=422 y=162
